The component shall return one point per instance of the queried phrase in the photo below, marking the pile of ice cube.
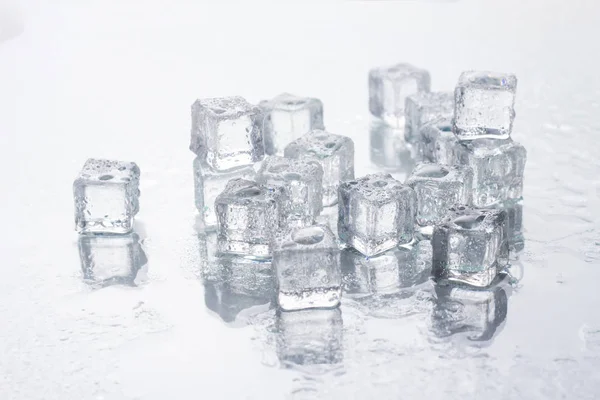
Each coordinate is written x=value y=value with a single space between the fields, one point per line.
x=264 y=174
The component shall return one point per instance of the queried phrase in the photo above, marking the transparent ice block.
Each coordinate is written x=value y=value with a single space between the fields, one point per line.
x=424 y=107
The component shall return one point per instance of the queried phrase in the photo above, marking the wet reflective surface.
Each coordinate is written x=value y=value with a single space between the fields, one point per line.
x=81 y=82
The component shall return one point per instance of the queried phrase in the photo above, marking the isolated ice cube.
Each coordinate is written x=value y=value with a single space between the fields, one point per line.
x=470 y=246
x=307 y=266
x=208 y=184
x=498 y=167
x=302 y=183
x=390 y=86
x=106 y=196
x=310 y=337
x=439 y=187
x=227 y=132
x=287 y=117
x=438 y=143
x=110 y=260
x=376 y=213
x=335 y=153
x=484 y=105
x=425 y=107
x=389 y=149
x=248 y=215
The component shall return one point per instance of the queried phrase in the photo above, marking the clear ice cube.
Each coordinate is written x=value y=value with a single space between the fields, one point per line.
x=470 y=246
x=439 y=187
x=484 y=105
x=476 y=314
x=438 y=143
x=307 y=266
x=389 y=149
x=376 y=213
x=386 y=273
x=287 y=117
x=310 y=337
x=208 y=184
x=227 y=132
x=335 y=153
x=248 y=215
x=106 y=196
x=498 y=167
x=390 y=86
x=110 y=260
x=425 y=107
x=302 y=183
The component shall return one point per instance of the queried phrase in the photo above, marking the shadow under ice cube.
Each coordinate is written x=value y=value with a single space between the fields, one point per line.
x=425 y=107
x=376 y=213
x=470 y=246
x=484 y=105
x=111 y=260
x=287 y=117
x=390 y=86
x=307 y=266
x=227 y=132
x=439 y=187
x=248 y=215
x=106 y=196
x=208 y=184
x=302 y=184
x=335 y=153
x=310 y=337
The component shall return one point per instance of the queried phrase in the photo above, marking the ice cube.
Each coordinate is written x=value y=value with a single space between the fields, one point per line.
x=310 y=337
x=514 y=226
x=484 y=105
x=498 y=168
x=474 y=313
x=390 y=86
x=335 y=153
x=287 y=117
x=302 y=184
x=110 y=260
x=243 y=286
x=389 y=149
x=386 y=273
x=425 y=107
x=470 y=246
x=376 y=213
x=248 y=215
x=439 y=187
x=106 y=196
x=227 y=132
x=307 y=266
x=438 y=143
x=208 y=184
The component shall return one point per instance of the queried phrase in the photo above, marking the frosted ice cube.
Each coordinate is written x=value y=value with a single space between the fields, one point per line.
x=424 y=107
x=389 y=149
x=438 y=143
x=302 y=184
x=439 y=187
x=307 y=266
x=287 y=117
x=484 y=105
x=109 y=260
x=390 y=86
x=208 y=184
x=376 y=213
x=335 y=153
x=498 y=167
x=310 y=337
x=385 y=273
x=106 y=196
x=474 y=313
x=470 y=246
x=227 y=132
x=248 y=215
x=241 y=287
